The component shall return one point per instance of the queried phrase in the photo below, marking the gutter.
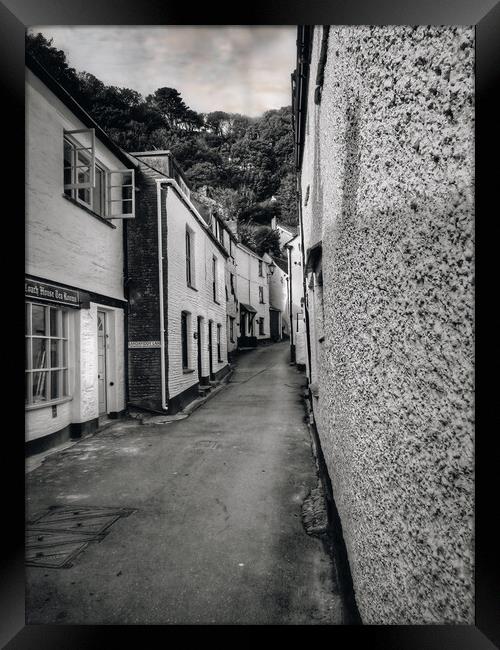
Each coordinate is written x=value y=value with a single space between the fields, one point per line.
x=164 y=403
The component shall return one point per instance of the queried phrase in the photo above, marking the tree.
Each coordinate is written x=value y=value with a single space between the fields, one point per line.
x=267 y=240
x=170 y=104
x=202 y=173
x=260 y=239
x=244 y=160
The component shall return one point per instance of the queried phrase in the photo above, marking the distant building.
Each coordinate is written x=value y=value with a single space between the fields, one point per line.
x=80 y=187
x=285 y=231
x=298 y=346
x=252 y=274
x=279 y=316
x=176 y=274
x=212 y=213
x=384 y=126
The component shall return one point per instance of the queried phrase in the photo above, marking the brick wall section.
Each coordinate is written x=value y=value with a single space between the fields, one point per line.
x=144 y=316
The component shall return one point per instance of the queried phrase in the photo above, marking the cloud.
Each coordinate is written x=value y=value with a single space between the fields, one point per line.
x=235 y=69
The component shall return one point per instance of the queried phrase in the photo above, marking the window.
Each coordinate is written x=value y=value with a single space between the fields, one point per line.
x=231 y=277
x=188 y=258
x=214 y=278
x=261 y=295
x=231 y=329
x=109 y=194
x=261 y=326
x=185 y=340
x=221 y=234
x=46 y=353
x=219 y=355
x=260 y=269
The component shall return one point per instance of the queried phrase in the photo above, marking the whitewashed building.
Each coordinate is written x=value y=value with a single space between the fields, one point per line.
x=252 y=273
x=212 y=212
x=79 y=188
x=298 y=344
x=279 y=312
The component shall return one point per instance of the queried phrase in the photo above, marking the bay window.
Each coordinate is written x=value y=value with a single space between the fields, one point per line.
x=46 y=364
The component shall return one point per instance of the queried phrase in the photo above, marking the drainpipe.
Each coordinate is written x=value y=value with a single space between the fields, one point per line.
x=290 y=306
x=164 y=404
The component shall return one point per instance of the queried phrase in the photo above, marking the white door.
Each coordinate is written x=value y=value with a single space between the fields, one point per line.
x=101 y=360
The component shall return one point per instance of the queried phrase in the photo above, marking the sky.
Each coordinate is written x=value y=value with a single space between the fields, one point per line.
x=236 y=69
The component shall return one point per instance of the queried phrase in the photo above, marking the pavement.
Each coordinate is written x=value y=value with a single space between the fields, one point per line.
x=216 y=534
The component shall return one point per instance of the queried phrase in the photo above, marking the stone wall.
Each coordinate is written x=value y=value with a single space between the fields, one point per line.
x=389 y=163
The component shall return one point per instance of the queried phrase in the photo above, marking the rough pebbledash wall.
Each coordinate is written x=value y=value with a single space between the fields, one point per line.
x=389 y=161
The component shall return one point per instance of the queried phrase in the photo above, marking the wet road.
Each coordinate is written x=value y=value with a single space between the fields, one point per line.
x=216 y=536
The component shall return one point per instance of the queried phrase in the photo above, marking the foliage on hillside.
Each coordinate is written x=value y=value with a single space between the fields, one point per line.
x=246 y=162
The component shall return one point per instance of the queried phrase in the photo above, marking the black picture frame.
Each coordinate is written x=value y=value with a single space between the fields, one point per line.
x=15 y=16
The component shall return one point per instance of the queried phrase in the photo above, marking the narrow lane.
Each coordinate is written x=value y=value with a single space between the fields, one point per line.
x=217 y=536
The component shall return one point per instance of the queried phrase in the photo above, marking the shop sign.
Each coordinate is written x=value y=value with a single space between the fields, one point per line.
x=144 y=344
x=51 y=293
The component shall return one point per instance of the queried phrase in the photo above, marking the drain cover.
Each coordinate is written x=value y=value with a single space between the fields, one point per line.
x=206 y=444
x=59 y=534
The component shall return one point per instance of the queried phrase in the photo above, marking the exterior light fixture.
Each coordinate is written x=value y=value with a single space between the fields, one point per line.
x=272 y=266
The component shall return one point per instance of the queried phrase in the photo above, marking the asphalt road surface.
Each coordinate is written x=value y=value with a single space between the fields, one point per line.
x=216 y=535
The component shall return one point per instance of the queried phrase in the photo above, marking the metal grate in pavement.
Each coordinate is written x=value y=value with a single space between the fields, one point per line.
x=56 y=536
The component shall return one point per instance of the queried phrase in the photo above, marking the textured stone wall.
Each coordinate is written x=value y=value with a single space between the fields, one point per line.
x=389 y=164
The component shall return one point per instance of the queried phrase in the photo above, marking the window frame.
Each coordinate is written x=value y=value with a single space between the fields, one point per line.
x=73 y=189
x=261 y=295
x=189 y=266
x=215 y=292
x=62 y=351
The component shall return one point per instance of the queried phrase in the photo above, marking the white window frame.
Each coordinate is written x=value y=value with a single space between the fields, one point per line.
x=77 y=146
x=215 y=279
x=45 y=368
x=108 y=185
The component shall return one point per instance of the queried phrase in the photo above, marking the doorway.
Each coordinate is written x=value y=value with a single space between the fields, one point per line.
x=198 y=341
x=210 y=361
x=101 y=361
x=275 y=324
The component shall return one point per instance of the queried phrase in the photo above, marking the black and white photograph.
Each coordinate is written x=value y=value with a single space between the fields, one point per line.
x=250 y=325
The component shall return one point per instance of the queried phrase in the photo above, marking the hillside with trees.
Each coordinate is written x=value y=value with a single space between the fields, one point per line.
x=247 y=163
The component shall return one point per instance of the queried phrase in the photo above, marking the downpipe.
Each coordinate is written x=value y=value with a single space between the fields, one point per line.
x=164 y=403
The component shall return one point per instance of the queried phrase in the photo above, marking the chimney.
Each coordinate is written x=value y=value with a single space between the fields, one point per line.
x=273 y=223
x=157 y=159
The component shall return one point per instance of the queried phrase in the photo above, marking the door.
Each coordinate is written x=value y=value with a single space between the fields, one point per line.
x=199 y=348
x=275 y=324
x=242 y=324
x=210 y=349
x=101 y=360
